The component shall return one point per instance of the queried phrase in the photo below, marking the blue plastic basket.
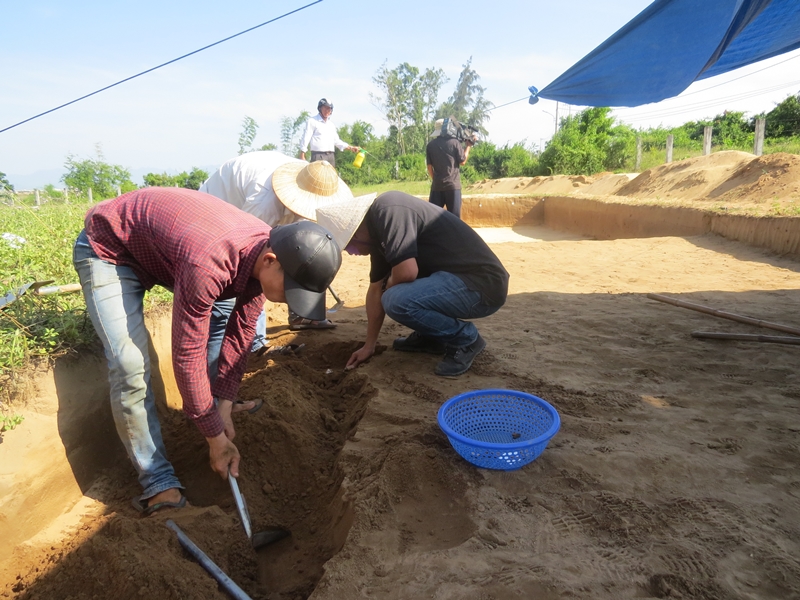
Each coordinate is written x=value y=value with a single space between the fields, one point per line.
x=498 y=429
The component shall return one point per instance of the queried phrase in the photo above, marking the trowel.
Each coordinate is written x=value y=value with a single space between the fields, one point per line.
x=260 y=538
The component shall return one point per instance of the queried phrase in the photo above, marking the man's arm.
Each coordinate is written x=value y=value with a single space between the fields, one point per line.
x=306 y=139
x=466 y=153
x=404 y=272
x=375 y=316
x=430 y=170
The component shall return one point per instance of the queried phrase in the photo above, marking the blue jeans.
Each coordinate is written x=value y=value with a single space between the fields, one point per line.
x=435 y=307
x=220 y=313
x=114 y=300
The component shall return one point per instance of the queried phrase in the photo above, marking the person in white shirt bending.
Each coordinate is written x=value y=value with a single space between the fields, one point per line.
x=320 y=135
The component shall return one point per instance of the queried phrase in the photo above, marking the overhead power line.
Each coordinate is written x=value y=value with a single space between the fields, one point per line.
x=169 y=62
x=677 y=110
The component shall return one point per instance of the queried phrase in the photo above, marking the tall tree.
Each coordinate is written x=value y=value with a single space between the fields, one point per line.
x=467 y=103
x=291 y=130
x=248 y=134
x=101 y=177
x=408 y=102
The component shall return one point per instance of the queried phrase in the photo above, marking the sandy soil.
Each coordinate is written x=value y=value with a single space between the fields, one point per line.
x=674 y=474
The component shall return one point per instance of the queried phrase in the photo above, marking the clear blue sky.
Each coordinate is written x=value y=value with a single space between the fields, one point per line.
x=189 y=113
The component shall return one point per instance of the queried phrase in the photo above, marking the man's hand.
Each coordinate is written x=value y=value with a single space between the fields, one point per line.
x=353 y=148
x=223 y=455
x=302 y=156
x=359 y=356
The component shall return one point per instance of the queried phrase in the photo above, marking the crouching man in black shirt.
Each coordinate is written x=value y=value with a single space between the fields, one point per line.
x=428 y=270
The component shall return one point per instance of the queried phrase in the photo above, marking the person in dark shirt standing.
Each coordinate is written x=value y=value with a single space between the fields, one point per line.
x=445 y=155
x=204 y=250
x=429 y=271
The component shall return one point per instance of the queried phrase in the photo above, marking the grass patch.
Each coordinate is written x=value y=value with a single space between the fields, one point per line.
x=38 y=249
x=415 y=188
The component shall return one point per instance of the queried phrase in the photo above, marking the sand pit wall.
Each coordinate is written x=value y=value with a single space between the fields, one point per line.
x=69 y=465
x=605 y=220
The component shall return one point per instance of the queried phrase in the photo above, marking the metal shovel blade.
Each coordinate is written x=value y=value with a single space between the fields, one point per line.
x=339 y=304
x=269 y=536
x=241 y=506
x=16 y=294
x=260 y=538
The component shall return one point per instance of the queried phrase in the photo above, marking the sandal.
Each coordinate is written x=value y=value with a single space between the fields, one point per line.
x=149 y=510
x=287 y=349
x=259 y=403
x=302 y=324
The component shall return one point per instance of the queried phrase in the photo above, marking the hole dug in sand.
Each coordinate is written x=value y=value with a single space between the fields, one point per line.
x=290 y=476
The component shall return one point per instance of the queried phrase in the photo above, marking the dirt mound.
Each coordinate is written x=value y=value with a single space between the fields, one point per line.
x=775 y=177
x=727 y=180
x=606 y=184
x=553 y=185
x=692 y=178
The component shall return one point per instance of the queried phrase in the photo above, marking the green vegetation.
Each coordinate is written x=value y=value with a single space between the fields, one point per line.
x=415 y=188
x=52 y=325
x=7 y=423
x=192 y=180
x=95 y=174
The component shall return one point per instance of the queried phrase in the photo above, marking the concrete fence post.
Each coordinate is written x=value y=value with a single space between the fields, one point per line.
x=670 y=143
x=38 y=199
x=119 y=191
x=90 y=195
x=638 y=154
x=761 y=125
x=707 y=131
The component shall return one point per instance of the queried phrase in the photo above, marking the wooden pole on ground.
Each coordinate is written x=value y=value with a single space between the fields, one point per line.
x=670 y=142
x=747 y=337
x=724 y=315
x=707 y=131
x=761 y=125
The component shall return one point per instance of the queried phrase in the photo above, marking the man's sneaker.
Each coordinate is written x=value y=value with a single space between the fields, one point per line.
x=418 y=343
x=458 y=360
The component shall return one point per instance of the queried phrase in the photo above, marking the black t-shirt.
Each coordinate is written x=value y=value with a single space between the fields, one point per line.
x=445 y=155
x=403 y=227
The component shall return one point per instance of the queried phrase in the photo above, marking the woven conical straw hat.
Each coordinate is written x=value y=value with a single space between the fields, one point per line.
x=343 y=218
x=303 y=188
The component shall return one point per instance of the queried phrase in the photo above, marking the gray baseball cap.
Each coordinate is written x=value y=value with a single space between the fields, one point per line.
x=310 y=258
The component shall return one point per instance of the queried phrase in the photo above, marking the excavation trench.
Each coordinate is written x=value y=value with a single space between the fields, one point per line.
x=290 y=476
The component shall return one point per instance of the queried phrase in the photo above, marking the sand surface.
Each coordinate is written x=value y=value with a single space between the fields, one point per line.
x=674 y=474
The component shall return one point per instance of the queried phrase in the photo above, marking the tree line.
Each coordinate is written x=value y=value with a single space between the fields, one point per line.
x=586 y=142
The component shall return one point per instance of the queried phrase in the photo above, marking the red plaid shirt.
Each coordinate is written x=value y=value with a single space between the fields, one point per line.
x=203 y=249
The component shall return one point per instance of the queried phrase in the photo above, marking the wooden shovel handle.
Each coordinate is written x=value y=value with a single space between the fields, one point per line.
x=58 y=289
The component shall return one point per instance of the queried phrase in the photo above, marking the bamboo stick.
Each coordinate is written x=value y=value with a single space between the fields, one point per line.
x=747 y=337
x=724 y=315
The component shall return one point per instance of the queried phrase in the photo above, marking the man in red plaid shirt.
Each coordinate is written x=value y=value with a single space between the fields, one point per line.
x=204 y=250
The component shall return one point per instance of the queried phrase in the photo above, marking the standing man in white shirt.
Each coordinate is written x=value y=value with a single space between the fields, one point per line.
x=279 y=190
x=320 y=135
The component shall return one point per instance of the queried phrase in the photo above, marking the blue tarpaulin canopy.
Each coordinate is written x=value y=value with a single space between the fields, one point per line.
x=673 y=43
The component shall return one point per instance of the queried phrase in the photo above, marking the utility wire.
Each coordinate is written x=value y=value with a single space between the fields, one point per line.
x=161 y=65
x=740 y=77
x=670 y=112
